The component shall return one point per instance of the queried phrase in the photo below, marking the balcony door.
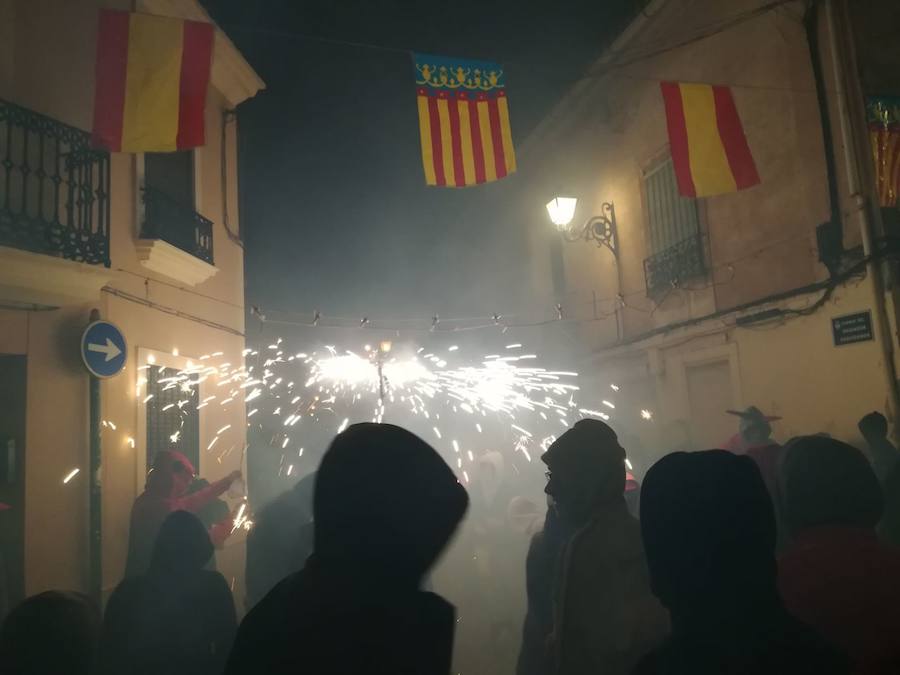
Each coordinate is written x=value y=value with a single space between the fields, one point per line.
x=171 y=173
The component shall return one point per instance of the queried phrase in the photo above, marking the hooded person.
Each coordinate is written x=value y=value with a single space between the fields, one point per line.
x=385 y=506
x=883 y=453
x=709 y=531
x=178 y=618
x=836 y=575
x=52 y=632
x=281 y=539
x=167 y=491
x=605 y=615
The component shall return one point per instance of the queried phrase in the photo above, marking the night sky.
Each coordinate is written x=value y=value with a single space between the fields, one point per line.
x=335 y=212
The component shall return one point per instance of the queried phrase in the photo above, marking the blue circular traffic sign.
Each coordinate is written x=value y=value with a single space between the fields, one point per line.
x=103 y=349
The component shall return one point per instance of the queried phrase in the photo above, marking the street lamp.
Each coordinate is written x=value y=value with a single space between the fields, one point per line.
x=601 y=228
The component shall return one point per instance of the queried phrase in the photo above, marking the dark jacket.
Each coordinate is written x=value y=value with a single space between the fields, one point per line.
x=606 y=616
x=178 y=618
x=541 y=575
x=385 y=506
x=280 y=541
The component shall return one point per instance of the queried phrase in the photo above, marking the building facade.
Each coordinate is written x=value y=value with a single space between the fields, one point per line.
x=777 y=296
x=150 y=241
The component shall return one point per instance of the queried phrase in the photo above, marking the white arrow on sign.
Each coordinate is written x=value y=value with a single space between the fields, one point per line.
x=110 y=349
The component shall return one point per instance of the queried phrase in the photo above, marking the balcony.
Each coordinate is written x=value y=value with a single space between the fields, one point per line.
x=54 y=211
x=175 y=240
x=675 y=265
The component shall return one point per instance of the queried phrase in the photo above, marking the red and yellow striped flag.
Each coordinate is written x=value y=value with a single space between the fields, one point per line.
x=152 y=73
x=463 y=121
x=709 y=150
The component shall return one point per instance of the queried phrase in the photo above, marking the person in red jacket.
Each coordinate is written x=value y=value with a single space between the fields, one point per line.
x=166 y=492
x=837 y=576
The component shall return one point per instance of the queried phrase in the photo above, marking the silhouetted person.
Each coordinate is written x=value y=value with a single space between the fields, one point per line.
x=884 y=456
x=836 y=575
x=889 y=528
x=709 y=532
x=177 y=619
x=605 y=615
x=166 y=491
x=51 y=633
x=754 y=430
x=280 y=540
x=385 y=505
x=541 y=576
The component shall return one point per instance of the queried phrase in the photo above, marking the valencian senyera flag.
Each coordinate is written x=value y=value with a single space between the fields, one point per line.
x=152 y=74
x=709 y=149
x=884 y=134
x=463 y=121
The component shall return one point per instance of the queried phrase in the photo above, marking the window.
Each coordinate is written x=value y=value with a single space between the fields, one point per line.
x=168 y=205
x=171 y=173
x=173 y=419
x=675 y=246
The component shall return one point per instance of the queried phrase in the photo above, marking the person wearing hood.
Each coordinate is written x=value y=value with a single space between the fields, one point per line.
x=837 y=576
x=709 y=531
x=167 y=491
x=178 y=618
x=49 y=633
x=882 y=453
x=385 y=506
x=606 y=618
x=281 y=539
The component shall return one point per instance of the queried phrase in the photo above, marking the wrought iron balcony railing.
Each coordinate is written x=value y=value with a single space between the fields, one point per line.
x=54 y=188
x=675 y=265
x=167 y=219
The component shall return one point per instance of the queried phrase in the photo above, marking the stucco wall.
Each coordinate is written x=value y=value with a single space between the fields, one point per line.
x=49 y=33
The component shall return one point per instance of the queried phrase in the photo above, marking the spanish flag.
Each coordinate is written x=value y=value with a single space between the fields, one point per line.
x=463 y=121
x=152 y=73
x=709 y=150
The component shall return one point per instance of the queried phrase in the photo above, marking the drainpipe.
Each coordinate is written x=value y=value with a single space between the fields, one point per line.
x=859 y=212
x=95 y=586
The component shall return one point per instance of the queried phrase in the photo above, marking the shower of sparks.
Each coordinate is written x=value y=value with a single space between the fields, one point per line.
x=515 y=404
x=70 y=475
x=628 y=464
x=646 y=415
x=240 y=519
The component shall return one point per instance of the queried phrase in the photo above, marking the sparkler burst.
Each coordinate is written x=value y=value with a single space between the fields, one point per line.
x=466 y=407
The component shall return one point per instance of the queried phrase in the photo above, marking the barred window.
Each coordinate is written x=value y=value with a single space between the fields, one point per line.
x=672 y=218
x=173 y=419
x=675 y=247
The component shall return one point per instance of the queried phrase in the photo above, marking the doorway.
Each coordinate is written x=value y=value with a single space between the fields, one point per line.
x=710 y=394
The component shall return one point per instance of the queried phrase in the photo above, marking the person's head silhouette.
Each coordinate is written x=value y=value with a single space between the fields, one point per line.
x=385 y=505
x=709 y=533
x=829 y=483
x=52 y=632
x=182 y=545
x=873 y=427
x=586 y=470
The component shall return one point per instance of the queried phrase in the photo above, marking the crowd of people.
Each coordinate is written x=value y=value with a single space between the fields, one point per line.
x=758 y=558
